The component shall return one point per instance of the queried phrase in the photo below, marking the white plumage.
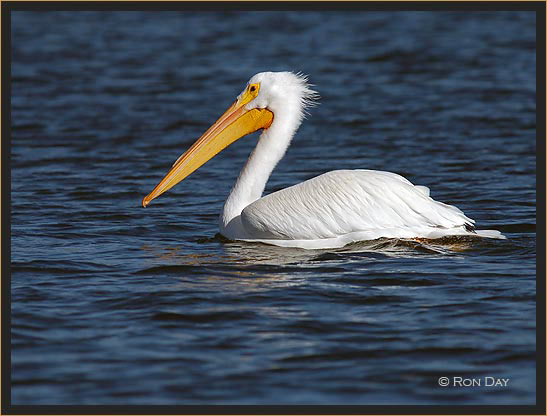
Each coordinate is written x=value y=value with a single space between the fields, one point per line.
x=332 y=209
x=344 y=206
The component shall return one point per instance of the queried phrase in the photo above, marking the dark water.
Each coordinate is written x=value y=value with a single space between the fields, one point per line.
x=115 y=304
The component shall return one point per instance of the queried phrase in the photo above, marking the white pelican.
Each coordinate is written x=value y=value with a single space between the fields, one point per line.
x=327 y=211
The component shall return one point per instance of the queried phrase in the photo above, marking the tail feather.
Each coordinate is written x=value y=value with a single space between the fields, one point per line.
x=490 y=234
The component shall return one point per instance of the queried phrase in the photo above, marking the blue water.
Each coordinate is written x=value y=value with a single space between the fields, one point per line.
x=115 y=304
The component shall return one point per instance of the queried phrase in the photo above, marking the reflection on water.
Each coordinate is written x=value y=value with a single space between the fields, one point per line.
x=239 y=253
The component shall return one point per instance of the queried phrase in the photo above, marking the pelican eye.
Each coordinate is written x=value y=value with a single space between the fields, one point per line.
x=253 y=89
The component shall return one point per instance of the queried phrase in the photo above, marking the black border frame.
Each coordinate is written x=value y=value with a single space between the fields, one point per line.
x=538 y=6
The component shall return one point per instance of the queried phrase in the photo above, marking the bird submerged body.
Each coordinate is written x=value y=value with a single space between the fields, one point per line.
x=345 y=206
x=328 y=211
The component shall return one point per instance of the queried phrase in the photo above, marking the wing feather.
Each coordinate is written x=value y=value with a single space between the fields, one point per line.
x=348 y=201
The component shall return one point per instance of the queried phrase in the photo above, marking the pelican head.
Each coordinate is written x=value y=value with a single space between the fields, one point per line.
x=265 y=95
x=281 y=91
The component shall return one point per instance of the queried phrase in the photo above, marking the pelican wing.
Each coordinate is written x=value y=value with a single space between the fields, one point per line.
x=365 y=204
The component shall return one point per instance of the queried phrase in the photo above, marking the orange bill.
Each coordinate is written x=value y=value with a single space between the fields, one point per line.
x=235 y=123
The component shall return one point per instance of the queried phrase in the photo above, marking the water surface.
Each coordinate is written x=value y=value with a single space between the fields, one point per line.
x=114 y=304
